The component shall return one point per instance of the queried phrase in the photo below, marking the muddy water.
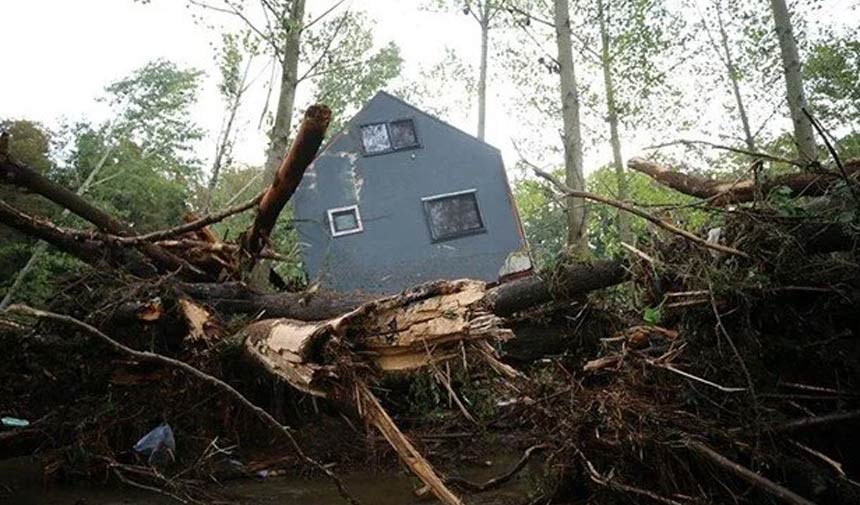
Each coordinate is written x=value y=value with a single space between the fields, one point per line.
x=20 y=485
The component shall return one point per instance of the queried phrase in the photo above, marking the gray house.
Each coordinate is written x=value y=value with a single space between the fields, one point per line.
x=399 y=197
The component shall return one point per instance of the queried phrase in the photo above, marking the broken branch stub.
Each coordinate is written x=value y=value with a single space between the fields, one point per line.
x=337 y=358
x=287 y=178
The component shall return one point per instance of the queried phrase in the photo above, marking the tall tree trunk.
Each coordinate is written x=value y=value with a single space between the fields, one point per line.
x=733 y=78
x=280 y=134
x=612 y=117
x=482 y=78
x=803 y=134
x=572 y=134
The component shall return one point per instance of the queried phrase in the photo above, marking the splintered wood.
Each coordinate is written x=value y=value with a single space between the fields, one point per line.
x=418 y=328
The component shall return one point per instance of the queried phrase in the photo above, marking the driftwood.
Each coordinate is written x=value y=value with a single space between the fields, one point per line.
x=743 y=190
x=671 y=228
x=195 y=254
x=779 y=492
x=230 y=391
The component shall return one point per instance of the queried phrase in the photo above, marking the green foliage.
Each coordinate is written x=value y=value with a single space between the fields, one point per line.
x=144 y=157
x=355 y=72
x=238 y=184
x=543 y=218
x=667 y=203
x=831 y=71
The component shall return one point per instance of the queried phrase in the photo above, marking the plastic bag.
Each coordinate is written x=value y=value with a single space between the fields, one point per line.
x=158 y=445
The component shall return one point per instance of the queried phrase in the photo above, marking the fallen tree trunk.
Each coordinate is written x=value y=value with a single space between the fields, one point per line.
x=29 y=179
x=502 y=300
x=339 y=357
x=743 y=190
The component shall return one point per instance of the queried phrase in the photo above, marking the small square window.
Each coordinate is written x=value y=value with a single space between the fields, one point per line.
x=344 y=221
x=453 y=215
x=375 y=139
x=403 y=134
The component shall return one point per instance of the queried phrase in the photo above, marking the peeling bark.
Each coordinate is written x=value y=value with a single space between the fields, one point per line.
x=287 y=178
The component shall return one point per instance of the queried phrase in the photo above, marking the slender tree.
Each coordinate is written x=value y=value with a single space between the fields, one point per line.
x=606 y=64
x=722 y=48
x=234 y=64
x=791 y=66
x=572 y=129
x=306 y=49
x=485 y=13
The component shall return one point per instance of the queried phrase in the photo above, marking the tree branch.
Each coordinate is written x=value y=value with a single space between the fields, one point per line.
x=633 y=210
x=218 y=384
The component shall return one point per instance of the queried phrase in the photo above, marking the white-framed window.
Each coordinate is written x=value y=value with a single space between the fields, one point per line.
x=344 y=221
x=453 y=215
x=381 y=138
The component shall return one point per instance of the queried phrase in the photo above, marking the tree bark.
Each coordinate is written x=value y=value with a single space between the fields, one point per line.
x=280 y=135
x=743 y=190
x=27 y=178
x=502 y=300
x=572 y=135
x=287 y=178
x=482 y=78
x=42 y=246
x=612 y=118
x=803 y=133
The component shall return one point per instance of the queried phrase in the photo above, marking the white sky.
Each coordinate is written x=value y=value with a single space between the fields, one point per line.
x=59 y=55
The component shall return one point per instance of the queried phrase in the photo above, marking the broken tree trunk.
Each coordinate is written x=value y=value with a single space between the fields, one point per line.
x=743 y=190
x=287 y=178
x=338 y=358
x=502 y=300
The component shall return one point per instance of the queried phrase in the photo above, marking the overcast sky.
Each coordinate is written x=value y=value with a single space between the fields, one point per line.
x=60 y=54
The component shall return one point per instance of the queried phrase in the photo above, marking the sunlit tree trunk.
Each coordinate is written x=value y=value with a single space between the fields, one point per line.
x=572 y=134
x=482 y=78
x=612 y=119
x=280 y=135
x=803 y=134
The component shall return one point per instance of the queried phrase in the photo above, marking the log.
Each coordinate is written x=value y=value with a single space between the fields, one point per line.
x=743 y=190
x=568 y=282
x=12 y=172
x=337 y=358
x=287 y=178
x=502 y=300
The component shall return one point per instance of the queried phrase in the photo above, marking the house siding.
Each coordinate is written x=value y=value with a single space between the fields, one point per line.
x=395 y=250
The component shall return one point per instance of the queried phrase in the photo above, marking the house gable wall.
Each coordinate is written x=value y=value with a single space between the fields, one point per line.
x=395 y=250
